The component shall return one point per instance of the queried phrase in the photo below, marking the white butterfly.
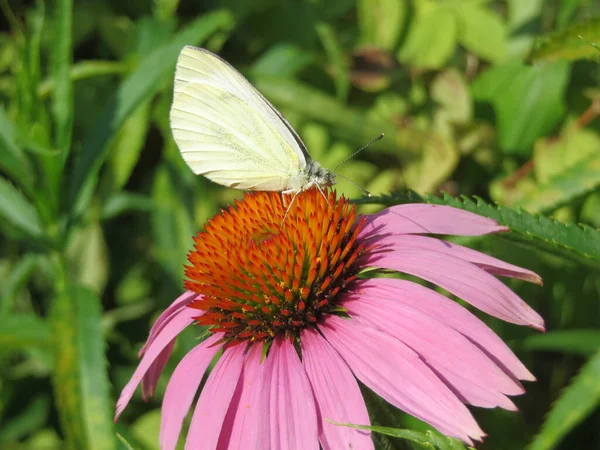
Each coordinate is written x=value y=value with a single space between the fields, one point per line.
x=227 y=131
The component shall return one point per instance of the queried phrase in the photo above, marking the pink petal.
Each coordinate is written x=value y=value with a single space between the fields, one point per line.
x=292 y=405
x=487 y=263
x=337 y=394
x=170 y=330
x=448 y=312
x=471 y=375
x=215 y=399
x=463 y=279
x=150 y=380
x=181 y=302
x=182 y=389
x=247 y=423
x=424 y=219
x=396 y=373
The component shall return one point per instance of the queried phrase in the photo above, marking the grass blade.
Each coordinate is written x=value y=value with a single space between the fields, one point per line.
x=62 y=101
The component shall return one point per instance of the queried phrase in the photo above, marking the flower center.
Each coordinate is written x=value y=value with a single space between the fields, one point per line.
x=260 y=276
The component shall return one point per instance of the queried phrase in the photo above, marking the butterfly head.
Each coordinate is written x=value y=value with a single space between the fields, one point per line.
x=317 y=175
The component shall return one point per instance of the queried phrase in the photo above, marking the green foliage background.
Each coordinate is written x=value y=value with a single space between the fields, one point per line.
x=493 y=99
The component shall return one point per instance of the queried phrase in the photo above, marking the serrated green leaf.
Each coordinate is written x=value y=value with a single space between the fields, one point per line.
x=17 y=210
x=576 y=402
x=578 y=243
x=582 y=342
x=18 y=332
x=572 y=43
x=80 y=379
x=528 y=100
x=148 y=79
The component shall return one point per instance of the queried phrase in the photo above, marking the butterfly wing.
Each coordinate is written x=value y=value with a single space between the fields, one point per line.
x=227 y=131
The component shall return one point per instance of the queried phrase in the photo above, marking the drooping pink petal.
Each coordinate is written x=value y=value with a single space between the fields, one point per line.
x=247 y=423
x=448 y=312
x=428 y=219
x=170 y=330
x=396 y=373
x=180 y=302
x=182 y=389
x=461 y=278
x=215 y=400
x=150 y=379
x=292 y=406
x=337 y=394
x=470 y=374
x=487 y=263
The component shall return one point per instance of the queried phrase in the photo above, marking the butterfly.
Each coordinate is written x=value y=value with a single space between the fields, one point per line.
x=229 y=132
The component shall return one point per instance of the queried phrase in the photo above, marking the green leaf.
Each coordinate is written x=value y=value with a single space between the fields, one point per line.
x=21 y=272
x=335 y=54
x=62 y=101
x=582 y=342
x=80 y=379
x=576 y=402
x=579 y=243
x=147 y=80
x=13 y=159
x=283 y=60
x=123 y=202
x=347 y=123
x=82 y=70
x=574 y=182
x=128 y=145
x=381 y=22
x=450 y=90
x=32 y=417
x=481 y=31
x=18 y=332
x=87 y=258
x=164 y=9
x=17 y=210
x=427 y=440
x=572 y=43
x=431 y=40
x=172 y=226
x=529 y=101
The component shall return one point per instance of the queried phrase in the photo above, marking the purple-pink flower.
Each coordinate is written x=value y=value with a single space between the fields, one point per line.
x=296 y=324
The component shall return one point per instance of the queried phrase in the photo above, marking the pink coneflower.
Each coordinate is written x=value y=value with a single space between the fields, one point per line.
x=297 y=326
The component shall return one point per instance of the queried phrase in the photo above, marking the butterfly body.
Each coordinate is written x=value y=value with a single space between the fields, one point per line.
x=228 y=132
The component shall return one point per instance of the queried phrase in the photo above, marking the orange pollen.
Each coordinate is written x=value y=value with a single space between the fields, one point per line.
x=261 y=276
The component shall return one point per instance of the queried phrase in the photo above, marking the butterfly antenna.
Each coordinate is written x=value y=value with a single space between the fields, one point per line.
x=378 y=138
x=367 y=193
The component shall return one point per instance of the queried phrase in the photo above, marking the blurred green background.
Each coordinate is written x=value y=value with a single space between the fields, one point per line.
x=495 y=99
